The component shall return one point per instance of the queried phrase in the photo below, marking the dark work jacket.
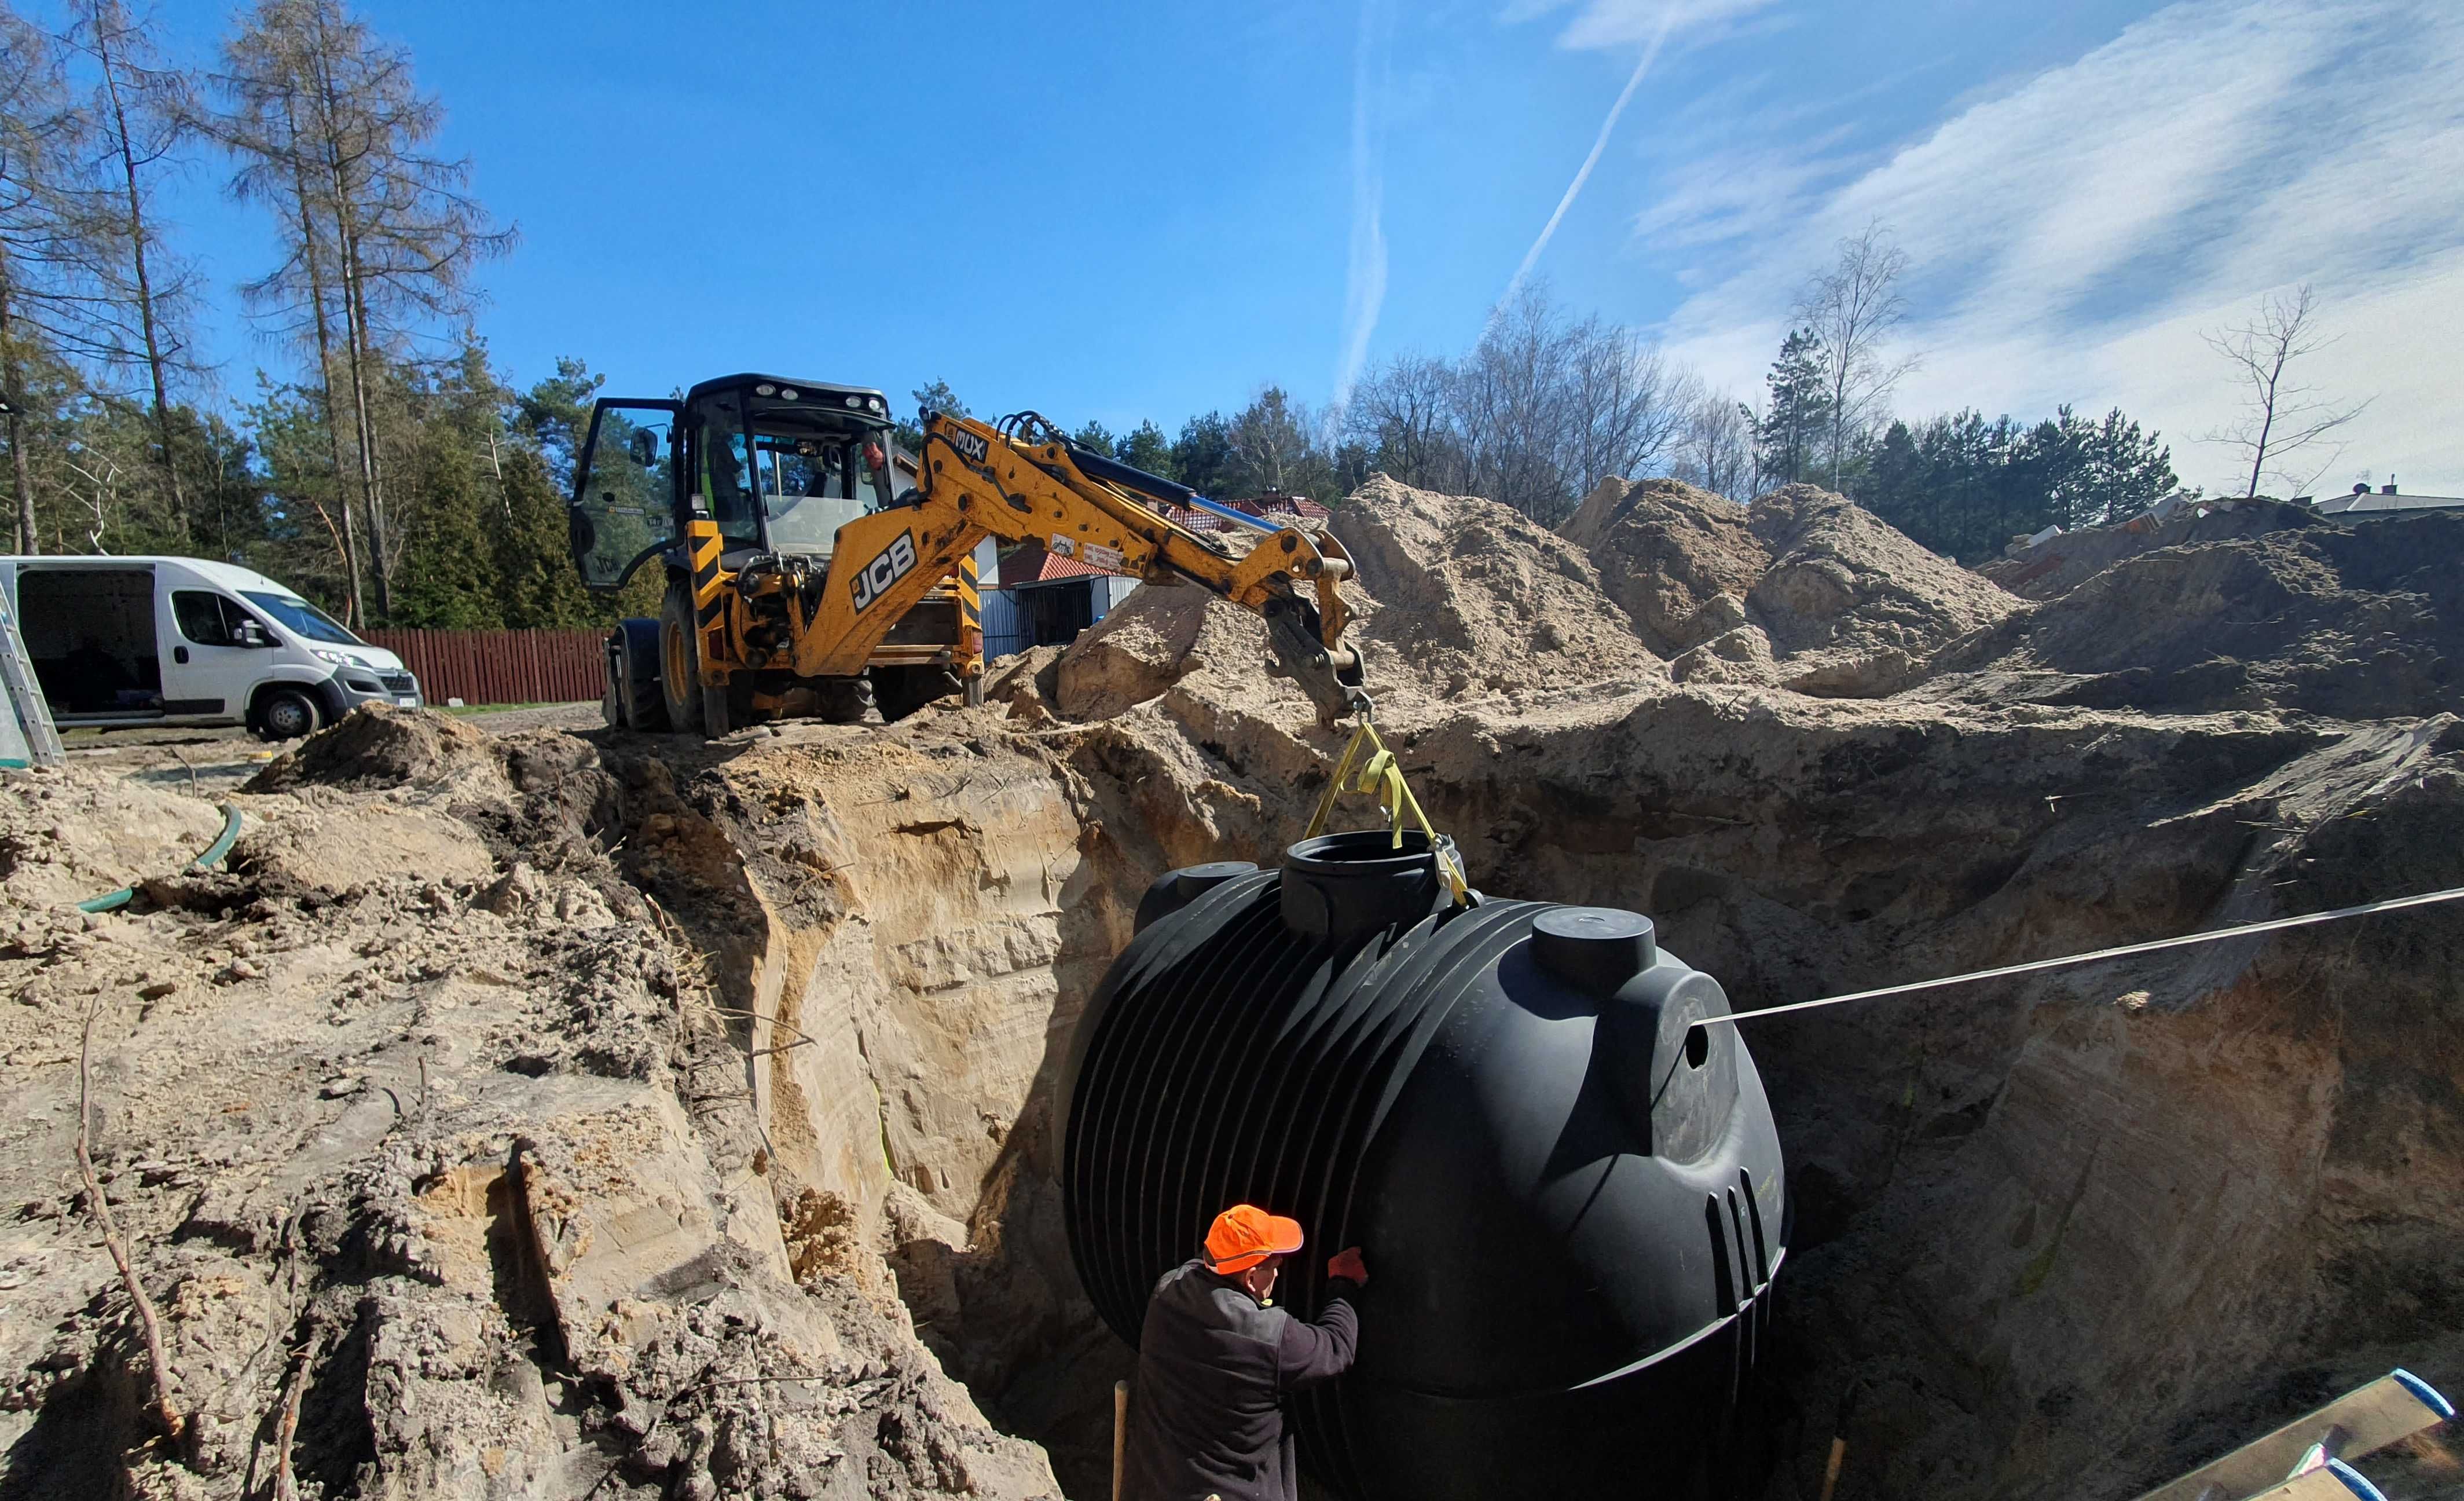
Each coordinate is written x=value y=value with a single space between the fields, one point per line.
x=1207 y=1416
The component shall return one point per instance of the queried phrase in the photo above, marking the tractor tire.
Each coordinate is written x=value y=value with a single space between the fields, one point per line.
x=680 y=660
x=842 y=701
x=900 y=691
x=634 y=700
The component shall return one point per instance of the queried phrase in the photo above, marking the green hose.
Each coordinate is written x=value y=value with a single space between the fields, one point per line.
x=112 y=901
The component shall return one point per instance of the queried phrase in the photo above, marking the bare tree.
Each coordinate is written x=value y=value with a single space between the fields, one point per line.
x=1541 y=410
x=262 y=130
x=2280 y=417
x=381 y=235
x=1273 y=448
x=1715 y=449
x=1853 y=308
x=1403 y=413
x=143 y=111
x=1626 y=403
x=43 y=310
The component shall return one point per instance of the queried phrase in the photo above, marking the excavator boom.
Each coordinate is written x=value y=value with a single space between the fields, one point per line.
x=1022 y=480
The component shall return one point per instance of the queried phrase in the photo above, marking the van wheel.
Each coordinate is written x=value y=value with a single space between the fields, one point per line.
x=680 y=659
x=287 y=714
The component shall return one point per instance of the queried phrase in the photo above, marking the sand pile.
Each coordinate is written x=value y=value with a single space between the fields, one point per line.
x=2062 y=563
x=63 y=839
x=1474 y=600
x=2364 y=621
x=423 y=1116
x=1802 y=589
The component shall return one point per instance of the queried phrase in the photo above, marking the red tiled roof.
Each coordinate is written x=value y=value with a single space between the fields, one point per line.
x=1032 y=564
x=1301 y=506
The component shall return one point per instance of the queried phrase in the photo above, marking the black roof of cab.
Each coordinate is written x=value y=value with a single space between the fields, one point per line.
x=820 y=389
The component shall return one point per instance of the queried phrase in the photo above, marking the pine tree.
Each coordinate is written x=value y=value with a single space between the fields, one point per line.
x=1201 y=456
x=1146 y=447
x=379 y=237
x=42 y=309
x=1794 y=428
x=1097 y=438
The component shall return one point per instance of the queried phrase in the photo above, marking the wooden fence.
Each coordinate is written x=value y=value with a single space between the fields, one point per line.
x=500 y=666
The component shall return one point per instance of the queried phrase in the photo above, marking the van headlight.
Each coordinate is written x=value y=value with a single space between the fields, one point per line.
x=343 y=658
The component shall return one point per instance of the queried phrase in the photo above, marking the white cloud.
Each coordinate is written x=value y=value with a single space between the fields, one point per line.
x=1626 y=23
x=1614 y=23
x=2073 y=233
x=1364 y=280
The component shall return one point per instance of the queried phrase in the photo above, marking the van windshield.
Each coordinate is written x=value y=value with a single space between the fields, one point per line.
x=303 y=617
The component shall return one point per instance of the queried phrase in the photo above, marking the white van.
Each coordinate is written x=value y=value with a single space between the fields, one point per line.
x=181 y=641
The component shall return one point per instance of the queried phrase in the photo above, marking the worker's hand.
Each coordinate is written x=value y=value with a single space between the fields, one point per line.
x=1347 y=1264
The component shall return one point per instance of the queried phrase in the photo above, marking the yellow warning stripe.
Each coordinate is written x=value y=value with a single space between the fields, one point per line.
x=703 y=546
x=971 y=630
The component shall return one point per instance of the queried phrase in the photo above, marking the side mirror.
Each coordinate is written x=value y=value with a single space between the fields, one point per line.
x=252 y=634
x=645 y=448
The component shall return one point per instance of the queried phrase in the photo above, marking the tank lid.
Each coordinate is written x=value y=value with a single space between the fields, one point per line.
x=1596 y=948
x=1174 y=889
x=1195 y=881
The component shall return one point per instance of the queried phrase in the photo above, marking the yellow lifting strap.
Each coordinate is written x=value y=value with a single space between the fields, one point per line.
x=1379 y=774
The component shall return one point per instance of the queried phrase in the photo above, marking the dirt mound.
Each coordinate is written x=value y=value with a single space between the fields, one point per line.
x=425 y=1118
x=2058 y=564
x=377 y=745
x=65 y=836
x=2355 y=622
x=1680 y=560
x=661 y=1117
x=1473 y=599
x=2181 y=1178
x=1160 y=634
x=1803 y=589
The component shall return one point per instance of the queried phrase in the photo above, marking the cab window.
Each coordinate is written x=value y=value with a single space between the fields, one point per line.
x=809 y=489
x=209 y=619
x=817 y=470
x=622 y=508
x=725 y=462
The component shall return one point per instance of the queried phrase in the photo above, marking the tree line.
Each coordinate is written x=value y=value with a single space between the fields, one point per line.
x=392 y=473
x=1546 y=403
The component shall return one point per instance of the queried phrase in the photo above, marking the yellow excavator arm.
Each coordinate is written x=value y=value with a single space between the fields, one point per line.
x=1022 y=480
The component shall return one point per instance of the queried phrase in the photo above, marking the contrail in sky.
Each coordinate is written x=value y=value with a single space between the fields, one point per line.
x=1364 y=282
x=1582 y=175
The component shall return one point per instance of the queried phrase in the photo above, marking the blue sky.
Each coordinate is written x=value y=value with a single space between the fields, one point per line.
x=1119 y=211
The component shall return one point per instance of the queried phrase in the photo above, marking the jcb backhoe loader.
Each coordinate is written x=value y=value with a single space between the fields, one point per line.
x=805 y=575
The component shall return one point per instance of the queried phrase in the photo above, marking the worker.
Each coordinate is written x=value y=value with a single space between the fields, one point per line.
x=1215 y=1357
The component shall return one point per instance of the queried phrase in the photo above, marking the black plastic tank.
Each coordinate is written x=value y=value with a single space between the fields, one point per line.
x=1569 y=1198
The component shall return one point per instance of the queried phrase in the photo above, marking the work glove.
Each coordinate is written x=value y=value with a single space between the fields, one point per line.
x=1347 y=1264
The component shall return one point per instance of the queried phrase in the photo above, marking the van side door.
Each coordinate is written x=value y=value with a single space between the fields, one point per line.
x=623 y=510
x=91 y=634
x=215 y=651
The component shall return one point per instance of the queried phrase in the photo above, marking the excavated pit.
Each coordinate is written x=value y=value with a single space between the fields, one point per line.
x=573 y=1109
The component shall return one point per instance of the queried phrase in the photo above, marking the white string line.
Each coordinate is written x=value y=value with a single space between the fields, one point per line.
x=2273 y=925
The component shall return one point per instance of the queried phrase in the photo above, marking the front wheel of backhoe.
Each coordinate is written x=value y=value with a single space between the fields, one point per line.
x=680 y=659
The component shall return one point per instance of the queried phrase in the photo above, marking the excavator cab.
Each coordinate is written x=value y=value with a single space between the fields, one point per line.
x=776 y=466
x=741 y=489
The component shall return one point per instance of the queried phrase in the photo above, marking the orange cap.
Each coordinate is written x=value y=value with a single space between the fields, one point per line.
x=1245 y=1235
